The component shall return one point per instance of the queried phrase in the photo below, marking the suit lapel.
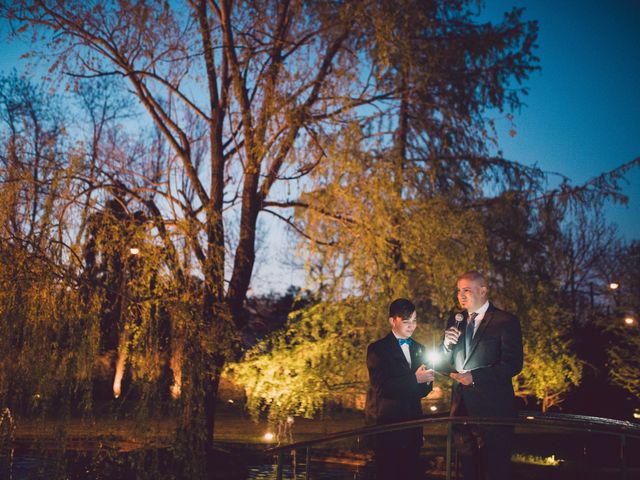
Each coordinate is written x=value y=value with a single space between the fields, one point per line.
x=416 y=355
x=396 y=350
x=488 y=315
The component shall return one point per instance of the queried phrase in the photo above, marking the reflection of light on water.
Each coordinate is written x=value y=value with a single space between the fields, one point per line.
x=550 y=461
x=320 y=472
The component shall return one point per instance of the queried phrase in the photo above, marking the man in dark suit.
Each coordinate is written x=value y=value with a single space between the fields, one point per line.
x=486 y=352
x=398 y=380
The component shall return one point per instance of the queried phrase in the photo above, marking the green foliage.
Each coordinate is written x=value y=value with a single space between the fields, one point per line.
x=319 y=356
x=373 y=239
x=551 y=368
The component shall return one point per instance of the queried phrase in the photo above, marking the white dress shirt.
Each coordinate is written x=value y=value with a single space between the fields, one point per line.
x=405 y=349
x=480 y=315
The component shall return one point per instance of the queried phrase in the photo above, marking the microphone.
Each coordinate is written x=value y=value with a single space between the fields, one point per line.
x=459 y=319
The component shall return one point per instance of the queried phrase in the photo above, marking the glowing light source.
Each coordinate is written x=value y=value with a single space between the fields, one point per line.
x=269 y=436
x=614 y=285
x=230 y=400
x=636 y=414
x=433 y=357
x=629 y=320
x=134 y=250
x=176 y=390
x=433 y=408
x=530 y=418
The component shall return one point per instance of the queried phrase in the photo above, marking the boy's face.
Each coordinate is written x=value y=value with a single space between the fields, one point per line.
x=403 y=328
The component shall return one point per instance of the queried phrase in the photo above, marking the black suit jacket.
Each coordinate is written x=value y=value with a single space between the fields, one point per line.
x=394 y=393
x=494 y=357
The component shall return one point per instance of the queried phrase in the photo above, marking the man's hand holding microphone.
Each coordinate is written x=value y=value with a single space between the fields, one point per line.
x=452 y=334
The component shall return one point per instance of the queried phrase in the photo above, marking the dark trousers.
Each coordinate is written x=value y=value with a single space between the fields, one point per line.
x=484 y=451
x=397 y=455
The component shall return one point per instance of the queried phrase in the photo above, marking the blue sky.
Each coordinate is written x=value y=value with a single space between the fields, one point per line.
x=582 y=115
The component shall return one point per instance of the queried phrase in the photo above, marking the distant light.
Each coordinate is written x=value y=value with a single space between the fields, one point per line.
x=530 y=418
x=433 y=408
x=629 y=320
x=134 y=250
x=230 y=400
x=636 y=415
x=269 y=436
x=614 y=285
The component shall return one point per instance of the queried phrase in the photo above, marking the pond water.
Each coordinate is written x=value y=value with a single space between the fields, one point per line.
x=27 y=466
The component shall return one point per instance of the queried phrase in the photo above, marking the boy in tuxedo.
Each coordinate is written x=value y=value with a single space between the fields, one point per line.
x=398 y=380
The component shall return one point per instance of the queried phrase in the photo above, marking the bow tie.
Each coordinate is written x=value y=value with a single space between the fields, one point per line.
x=408 y=341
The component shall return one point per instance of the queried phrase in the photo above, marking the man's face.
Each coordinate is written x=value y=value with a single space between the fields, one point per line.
x=471 y=294
x=403 y=328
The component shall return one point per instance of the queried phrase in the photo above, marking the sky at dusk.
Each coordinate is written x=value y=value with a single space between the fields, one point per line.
x=582 y=114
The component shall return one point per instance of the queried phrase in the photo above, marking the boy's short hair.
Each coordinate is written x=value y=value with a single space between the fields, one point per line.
x=401 y=307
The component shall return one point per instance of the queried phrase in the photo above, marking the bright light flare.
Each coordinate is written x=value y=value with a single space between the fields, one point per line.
x=629 y=320
x=433 y=408
x=269 y=436
x=614 y=285
x=433 y=357
x=134 y=250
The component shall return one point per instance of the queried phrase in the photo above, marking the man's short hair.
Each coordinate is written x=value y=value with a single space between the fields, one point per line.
x=401 y=307
x=474 y=276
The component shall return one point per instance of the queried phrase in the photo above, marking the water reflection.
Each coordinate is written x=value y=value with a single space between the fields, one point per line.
x=26 y=466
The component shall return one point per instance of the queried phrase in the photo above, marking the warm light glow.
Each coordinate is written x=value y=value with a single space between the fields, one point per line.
x=614 y=285
x=530 y=418
x=289 y=420
x=134 y=250
x=117 y=380
x=629 y=320
x=636 y=415
x=230 y=400
x=175 y=390
x=433 y=408
x=269 y=436
x=175 y=362
x=433 y=357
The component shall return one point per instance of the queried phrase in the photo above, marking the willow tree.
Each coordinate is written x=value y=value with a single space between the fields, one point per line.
x=244 y=95
x=36 y=309
x=390 y=212
x=403 y=205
